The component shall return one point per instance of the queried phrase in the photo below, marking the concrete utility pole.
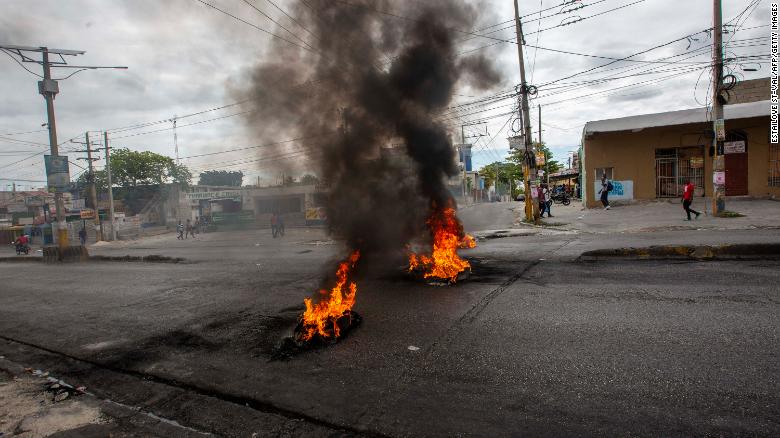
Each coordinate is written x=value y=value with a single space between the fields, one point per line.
x=92 y=190
x=49 y=88
x=718 y=159
x=110 y=187
x=531 y=210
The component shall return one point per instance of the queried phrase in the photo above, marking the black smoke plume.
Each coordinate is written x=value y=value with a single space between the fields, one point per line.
x=367 y=94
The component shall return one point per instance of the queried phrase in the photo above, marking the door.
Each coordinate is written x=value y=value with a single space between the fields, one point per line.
x=736 y=162
x=736 y=174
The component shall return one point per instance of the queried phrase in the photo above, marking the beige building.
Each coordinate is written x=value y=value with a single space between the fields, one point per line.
x=651 y=156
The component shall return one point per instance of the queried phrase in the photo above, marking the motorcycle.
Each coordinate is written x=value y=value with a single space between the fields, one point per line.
x=21 y=249
x=561 y=198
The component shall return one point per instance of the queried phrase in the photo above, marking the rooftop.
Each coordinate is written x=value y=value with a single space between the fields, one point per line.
x=671 y=118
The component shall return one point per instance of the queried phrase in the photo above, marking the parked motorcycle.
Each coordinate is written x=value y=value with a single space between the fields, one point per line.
x=561 y=198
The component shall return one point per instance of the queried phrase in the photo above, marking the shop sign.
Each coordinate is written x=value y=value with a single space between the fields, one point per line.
x=540 y=158
x=87 y=213
x=734 y=147
x=57 y=173
x=222 y=194
x=16 y=208
x=696 y=162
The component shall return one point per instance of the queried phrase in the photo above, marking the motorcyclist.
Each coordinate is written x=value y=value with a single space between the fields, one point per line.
x=22 y=243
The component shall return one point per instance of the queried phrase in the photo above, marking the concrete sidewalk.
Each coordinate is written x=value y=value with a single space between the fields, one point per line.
x=664 y=215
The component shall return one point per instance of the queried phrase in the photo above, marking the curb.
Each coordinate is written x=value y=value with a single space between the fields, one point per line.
x=741 y=251
x=153 y=258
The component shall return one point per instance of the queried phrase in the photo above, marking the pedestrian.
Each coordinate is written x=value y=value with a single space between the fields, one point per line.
x=540 y=200
x=180 y=231
x=274 y=223
x=606 y=187
x=687 y=199
x=83 y=235
x=280 y=225
x=188 y=229
x=196 y=227
x=548 y=200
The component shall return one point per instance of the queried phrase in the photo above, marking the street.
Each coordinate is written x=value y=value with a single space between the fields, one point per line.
x=534 y=342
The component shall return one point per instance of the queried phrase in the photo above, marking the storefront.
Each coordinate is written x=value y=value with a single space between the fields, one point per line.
x=652 y=156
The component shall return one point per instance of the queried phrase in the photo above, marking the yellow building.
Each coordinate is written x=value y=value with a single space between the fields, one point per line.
x=651 y=156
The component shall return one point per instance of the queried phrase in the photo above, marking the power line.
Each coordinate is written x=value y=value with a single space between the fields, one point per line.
x=183 y=126
x=277 y=23
x=253 y=25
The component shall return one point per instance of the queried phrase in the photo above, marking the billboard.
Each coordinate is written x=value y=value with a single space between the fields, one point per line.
x=57 y=172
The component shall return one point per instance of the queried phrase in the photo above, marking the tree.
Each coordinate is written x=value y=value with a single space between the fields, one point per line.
x=221 y=178
x=180 y=174
x=499 y=175
x=309 y=179
x=516 y=156
x=101 y=180
x=134 y=168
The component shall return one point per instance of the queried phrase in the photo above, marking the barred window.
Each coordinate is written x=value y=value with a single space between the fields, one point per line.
x=774 y=165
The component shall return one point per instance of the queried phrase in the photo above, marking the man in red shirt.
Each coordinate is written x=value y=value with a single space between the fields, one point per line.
x=687 y=199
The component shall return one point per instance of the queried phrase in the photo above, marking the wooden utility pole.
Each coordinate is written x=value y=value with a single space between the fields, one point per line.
x=110 y=187
x=531 y=210
x=92 y=190
x=718 y=159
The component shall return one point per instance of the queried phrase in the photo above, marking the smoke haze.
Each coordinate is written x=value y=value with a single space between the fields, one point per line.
x=365 y=93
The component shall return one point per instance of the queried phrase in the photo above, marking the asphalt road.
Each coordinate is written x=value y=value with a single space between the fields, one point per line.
x=523 y=347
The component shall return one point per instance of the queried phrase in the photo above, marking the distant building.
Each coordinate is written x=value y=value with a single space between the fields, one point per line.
x=651 y=156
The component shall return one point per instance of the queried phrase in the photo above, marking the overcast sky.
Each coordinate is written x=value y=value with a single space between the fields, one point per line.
x=183 y=56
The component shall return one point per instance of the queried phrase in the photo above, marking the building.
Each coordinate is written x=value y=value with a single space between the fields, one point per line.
x=299 y=204
x=651 y=156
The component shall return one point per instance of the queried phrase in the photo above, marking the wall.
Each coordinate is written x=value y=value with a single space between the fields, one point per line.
x=632 y=155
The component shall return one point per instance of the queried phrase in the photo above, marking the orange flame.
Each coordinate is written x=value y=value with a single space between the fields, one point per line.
x=444 y=262
x=322 y=318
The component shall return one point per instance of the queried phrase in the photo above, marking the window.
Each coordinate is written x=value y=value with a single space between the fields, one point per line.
x=601 y=171
x=774 y=165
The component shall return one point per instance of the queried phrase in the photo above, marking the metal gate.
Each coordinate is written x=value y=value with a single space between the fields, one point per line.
x=673 y=167
x=665 y=176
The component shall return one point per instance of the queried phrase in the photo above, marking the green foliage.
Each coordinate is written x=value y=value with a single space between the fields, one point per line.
x=500 y=174
x=101 y=180
x=134 y=168
x=221 y=178
x=309 y=179
x=552 y=166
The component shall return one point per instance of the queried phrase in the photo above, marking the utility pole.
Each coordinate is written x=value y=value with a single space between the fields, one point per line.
x=718 y=160
x=49 y=88
x=92 y=190
x=546 y=158
x=110 y=187
x=175 y=140
x=531 y=210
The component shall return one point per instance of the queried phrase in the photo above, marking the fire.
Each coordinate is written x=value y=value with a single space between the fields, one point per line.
x=323 y=317
x=444 y=262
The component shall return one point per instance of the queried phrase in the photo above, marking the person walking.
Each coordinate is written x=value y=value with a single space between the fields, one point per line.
x=687 y=199
x=540 y=200
x=83 y=236
x=180 y=231
x=548 y=200
x=274 y=224
x=188 y=229
x=280 y=225
x=606 y=187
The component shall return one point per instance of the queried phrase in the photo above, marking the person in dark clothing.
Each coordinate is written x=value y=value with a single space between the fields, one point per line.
x=604 y=191
x=274 y=224
x=687 y=199
x=83 y=236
